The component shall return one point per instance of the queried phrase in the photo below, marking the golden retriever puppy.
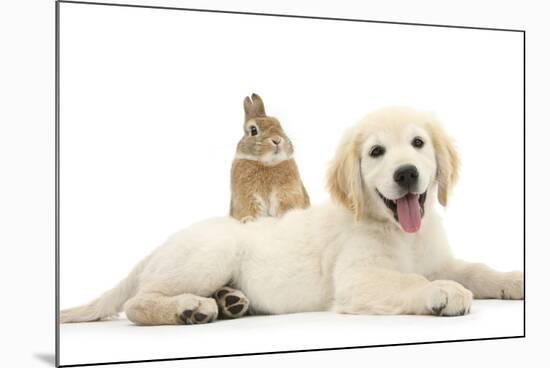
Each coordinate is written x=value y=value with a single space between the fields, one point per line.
x=377 y=248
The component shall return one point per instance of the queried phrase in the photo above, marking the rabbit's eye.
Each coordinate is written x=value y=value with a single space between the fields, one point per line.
x=253 y=130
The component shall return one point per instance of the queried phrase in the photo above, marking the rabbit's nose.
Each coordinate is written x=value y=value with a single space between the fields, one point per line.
x=276 y=140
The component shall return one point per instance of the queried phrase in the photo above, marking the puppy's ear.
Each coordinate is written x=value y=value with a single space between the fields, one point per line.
x=344 y=181
x=448 y=161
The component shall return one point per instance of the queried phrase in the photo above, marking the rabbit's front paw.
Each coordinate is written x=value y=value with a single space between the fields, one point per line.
x=246 y=219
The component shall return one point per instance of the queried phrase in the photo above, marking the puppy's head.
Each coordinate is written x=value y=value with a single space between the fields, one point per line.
x=389 y=164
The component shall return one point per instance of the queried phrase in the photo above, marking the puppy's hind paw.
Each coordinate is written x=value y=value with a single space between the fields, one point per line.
x=232 y=303
x=204 y=311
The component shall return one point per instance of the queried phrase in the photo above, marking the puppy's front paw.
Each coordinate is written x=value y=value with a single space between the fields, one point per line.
x=231 y=303
x=511 y=285
x=448 y=298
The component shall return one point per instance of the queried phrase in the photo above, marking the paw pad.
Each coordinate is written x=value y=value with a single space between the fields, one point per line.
x=231 y=303
x=194 y=317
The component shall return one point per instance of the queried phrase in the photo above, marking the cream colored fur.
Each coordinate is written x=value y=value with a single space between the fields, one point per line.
x=347 y=256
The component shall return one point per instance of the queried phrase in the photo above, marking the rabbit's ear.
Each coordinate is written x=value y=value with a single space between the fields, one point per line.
x=258 y=105
x=248 y=109
x=253 y=108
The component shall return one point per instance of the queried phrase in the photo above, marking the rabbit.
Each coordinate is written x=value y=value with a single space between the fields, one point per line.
x=264 y=182
x=264 y=177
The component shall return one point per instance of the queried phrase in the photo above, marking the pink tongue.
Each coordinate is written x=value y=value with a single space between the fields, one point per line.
x=408 y=213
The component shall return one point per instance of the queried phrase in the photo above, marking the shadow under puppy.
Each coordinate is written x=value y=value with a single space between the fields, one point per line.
x=265 y=182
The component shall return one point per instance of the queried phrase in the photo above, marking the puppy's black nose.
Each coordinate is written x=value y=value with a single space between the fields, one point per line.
x=406 y=176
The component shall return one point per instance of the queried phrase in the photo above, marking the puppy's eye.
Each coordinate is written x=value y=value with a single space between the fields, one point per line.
x=377 y=151
x=253 y=130
x=418 y=142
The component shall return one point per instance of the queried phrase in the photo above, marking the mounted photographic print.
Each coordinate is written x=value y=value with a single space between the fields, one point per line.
x=234 y=183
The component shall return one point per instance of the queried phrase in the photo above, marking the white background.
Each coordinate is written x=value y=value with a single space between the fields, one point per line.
x=27 y=139
x=151 y=112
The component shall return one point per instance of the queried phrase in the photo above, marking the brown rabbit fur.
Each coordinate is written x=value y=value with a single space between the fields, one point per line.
x=264 y=177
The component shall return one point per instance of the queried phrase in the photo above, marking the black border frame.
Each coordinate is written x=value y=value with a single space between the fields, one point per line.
x=57 y=171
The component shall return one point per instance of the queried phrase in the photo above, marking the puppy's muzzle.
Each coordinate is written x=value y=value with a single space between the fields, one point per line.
x=406 y=177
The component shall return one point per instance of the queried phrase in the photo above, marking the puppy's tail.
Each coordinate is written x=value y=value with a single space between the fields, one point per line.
x=107 y=305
